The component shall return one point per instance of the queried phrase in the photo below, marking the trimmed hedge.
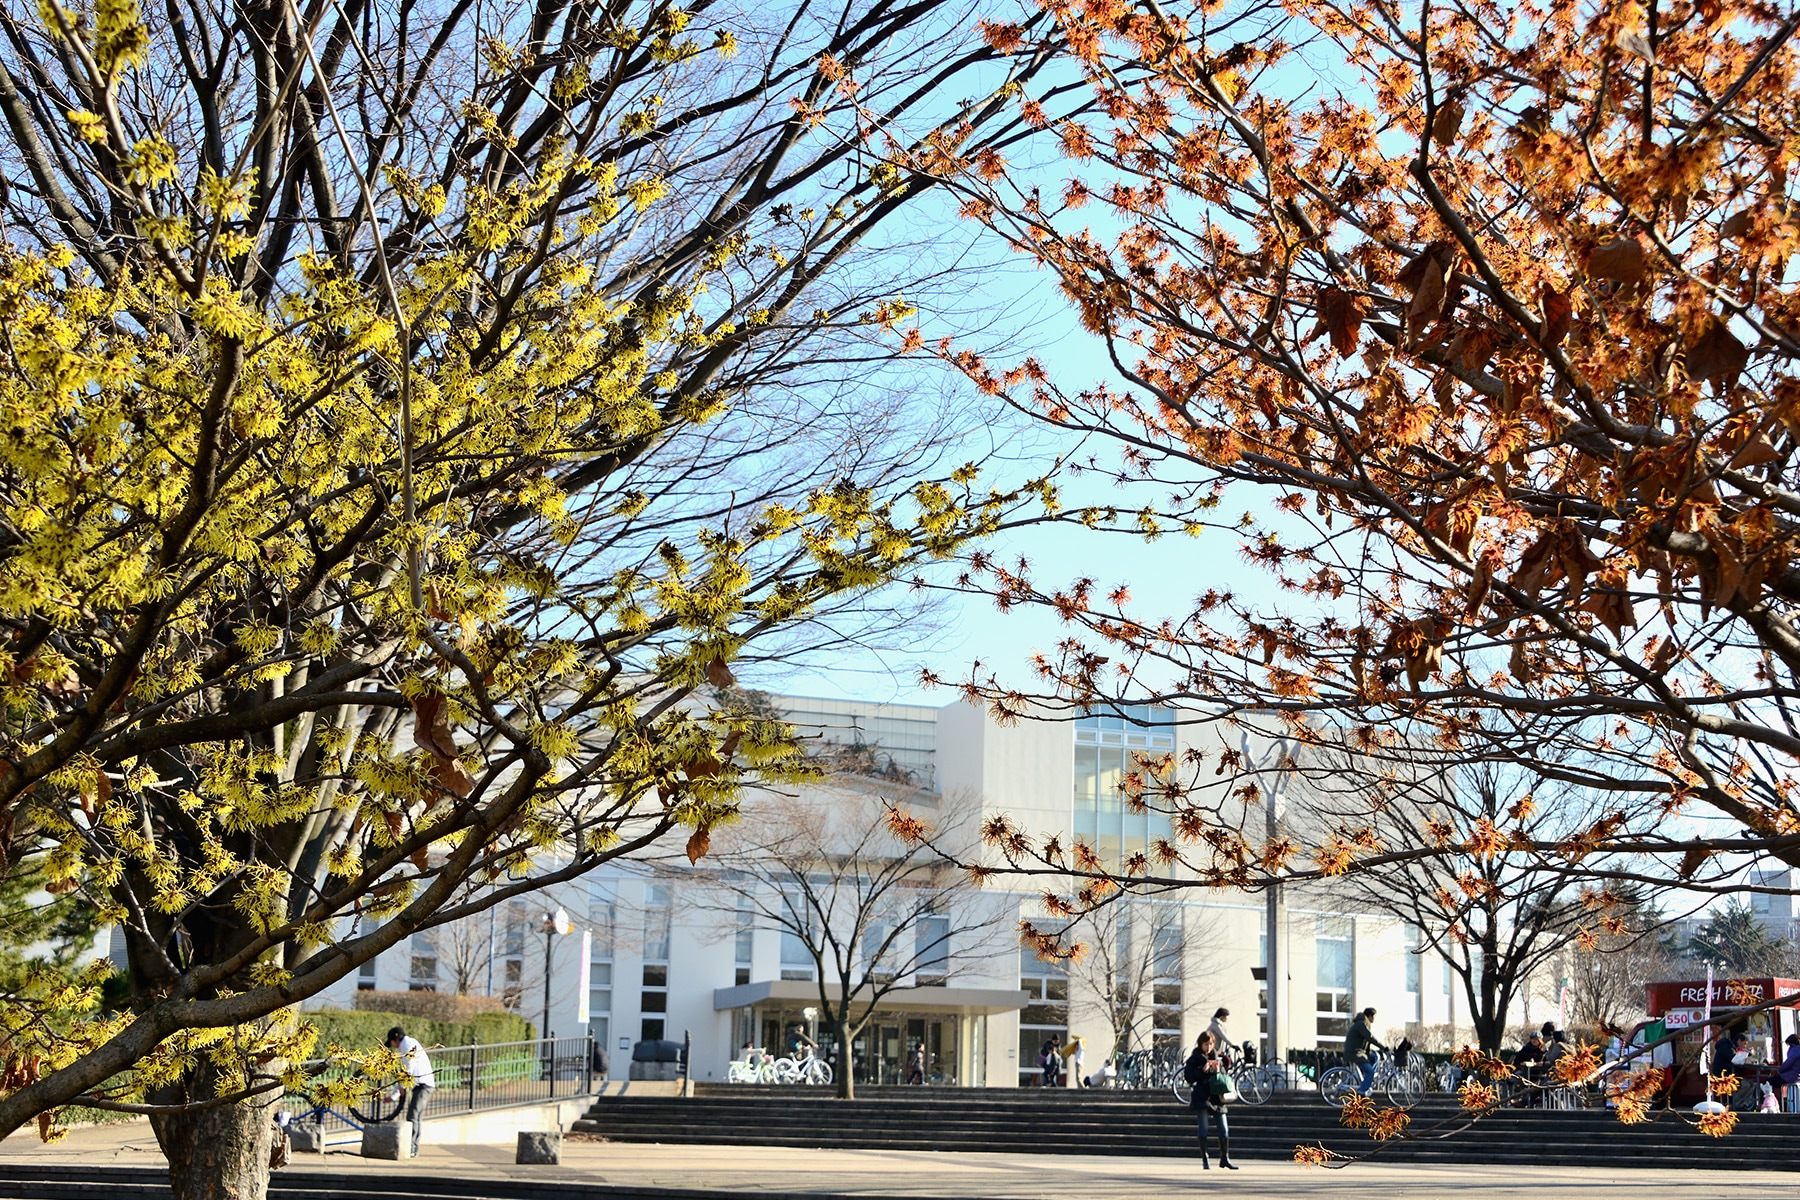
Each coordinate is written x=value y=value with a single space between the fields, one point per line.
x=363 y=1029
x=430 y=1006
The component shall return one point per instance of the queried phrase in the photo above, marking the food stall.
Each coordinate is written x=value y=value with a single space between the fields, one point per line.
x=1681 y=1009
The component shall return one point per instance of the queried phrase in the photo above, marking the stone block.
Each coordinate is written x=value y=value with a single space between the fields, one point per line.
x=666 y=1072
x=387 y=1141
x=306 y=1137
x=543 y=1148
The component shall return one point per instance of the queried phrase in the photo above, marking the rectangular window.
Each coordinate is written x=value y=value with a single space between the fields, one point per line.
x=931 y=956
x=1412 y=959
x=424 y=976
x=656 y=922
x=1335 y=974
x=602 y=916
x=653 y=1000
x=1046 y=1017
x=365 y=977
x=599 y=989
x=746 y=933
x=796 y=917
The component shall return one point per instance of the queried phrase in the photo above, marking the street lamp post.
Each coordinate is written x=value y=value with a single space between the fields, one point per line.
x=1274 y=967
x=554 y=923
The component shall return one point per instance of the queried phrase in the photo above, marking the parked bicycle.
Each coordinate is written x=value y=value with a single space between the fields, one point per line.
x=759 y=1067
x=1255 y=1082
x=1405 y=1086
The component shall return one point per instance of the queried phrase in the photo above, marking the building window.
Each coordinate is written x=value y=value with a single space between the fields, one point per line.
x=656 y=922
x=1336 y=973
x=653 y=1000
x=1165 y=984
x=603 y=914
x=365 y=977
x=746 y=939
x=1262 y=988
x=424 y=976
x=1045 y=1017
x=1109 y=747
x=796 y=918
x=931 y=951
x=1414 y=972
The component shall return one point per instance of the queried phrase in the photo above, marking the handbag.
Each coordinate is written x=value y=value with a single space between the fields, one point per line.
x=1224 y=1087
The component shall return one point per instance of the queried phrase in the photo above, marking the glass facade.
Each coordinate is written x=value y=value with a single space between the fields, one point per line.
x=1108 y=747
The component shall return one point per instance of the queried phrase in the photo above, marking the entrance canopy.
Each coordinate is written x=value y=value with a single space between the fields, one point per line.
x=968 y=1001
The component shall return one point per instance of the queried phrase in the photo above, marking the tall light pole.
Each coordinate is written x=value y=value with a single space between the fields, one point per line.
x=1274 y=979
x=554 y=923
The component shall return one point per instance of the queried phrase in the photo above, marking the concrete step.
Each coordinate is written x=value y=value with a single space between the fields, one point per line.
x=1009 y=1119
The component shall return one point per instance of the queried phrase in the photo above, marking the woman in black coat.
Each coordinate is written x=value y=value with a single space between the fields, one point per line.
x=1203 y=1066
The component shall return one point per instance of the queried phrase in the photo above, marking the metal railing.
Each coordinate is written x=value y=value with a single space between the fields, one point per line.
x=477 y=1078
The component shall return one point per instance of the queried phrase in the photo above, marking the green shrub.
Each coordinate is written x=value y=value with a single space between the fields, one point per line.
x=430 y=1006
x=364 y=1029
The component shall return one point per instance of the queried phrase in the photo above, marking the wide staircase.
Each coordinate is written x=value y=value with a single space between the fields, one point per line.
x=1153 y=1124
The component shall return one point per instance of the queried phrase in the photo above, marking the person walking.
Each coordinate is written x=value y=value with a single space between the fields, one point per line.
x=917 y=1076
x=1203 y=1071
x=418 y=1067
x=1359 y=1049
x=1047 y=1062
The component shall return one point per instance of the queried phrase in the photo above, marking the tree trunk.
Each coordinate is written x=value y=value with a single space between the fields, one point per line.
x=846 y=1064
x=218 y=1153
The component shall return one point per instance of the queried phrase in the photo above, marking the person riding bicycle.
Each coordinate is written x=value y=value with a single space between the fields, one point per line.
x=1359 y=1049
x=799 y=1046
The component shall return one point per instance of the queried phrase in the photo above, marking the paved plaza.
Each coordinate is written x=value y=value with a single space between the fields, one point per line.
x=792 y=1173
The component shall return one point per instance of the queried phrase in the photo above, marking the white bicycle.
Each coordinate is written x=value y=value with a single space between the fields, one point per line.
x=808 y=1068
x=757 y=1068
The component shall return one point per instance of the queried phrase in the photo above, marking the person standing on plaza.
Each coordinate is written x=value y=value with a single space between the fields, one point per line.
x=418 y=1068
x=1204 y=1072
x=1359 y=1049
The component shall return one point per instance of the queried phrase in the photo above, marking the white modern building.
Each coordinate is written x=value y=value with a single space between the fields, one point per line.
x=659 y=965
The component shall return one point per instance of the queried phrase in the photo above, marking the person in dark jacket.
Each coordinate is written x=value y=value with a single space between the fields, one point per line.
x=1047 y=1061
x=1359 y=1049
x=1726 y=1054
x=1203 y=1067
x=1529 y=1063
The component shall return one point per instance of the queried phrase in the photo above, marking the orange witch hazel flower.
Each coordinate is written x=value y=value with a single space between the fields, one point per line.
x=1510 y=307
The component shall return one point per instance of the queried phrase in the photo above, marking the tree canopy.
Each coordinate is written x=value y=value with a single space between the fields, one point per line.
x=1486 y=312
x=408 y=406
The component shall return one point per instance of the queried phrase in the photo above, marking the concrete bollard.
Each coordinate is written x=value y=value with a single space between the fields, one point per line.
x=387 y=1141
x=306 y=1137
x=540 y=1148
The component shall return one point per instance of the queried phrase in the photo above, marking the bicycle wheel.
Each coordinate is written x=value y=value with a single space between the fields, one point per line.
x=1253 y=1088
x=1337 y=1085
x=765 y=1073
x=787 y=1071
x=379 y=1105
x=1406 y=1088
x=1184 y=1091
x=819 y=1073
